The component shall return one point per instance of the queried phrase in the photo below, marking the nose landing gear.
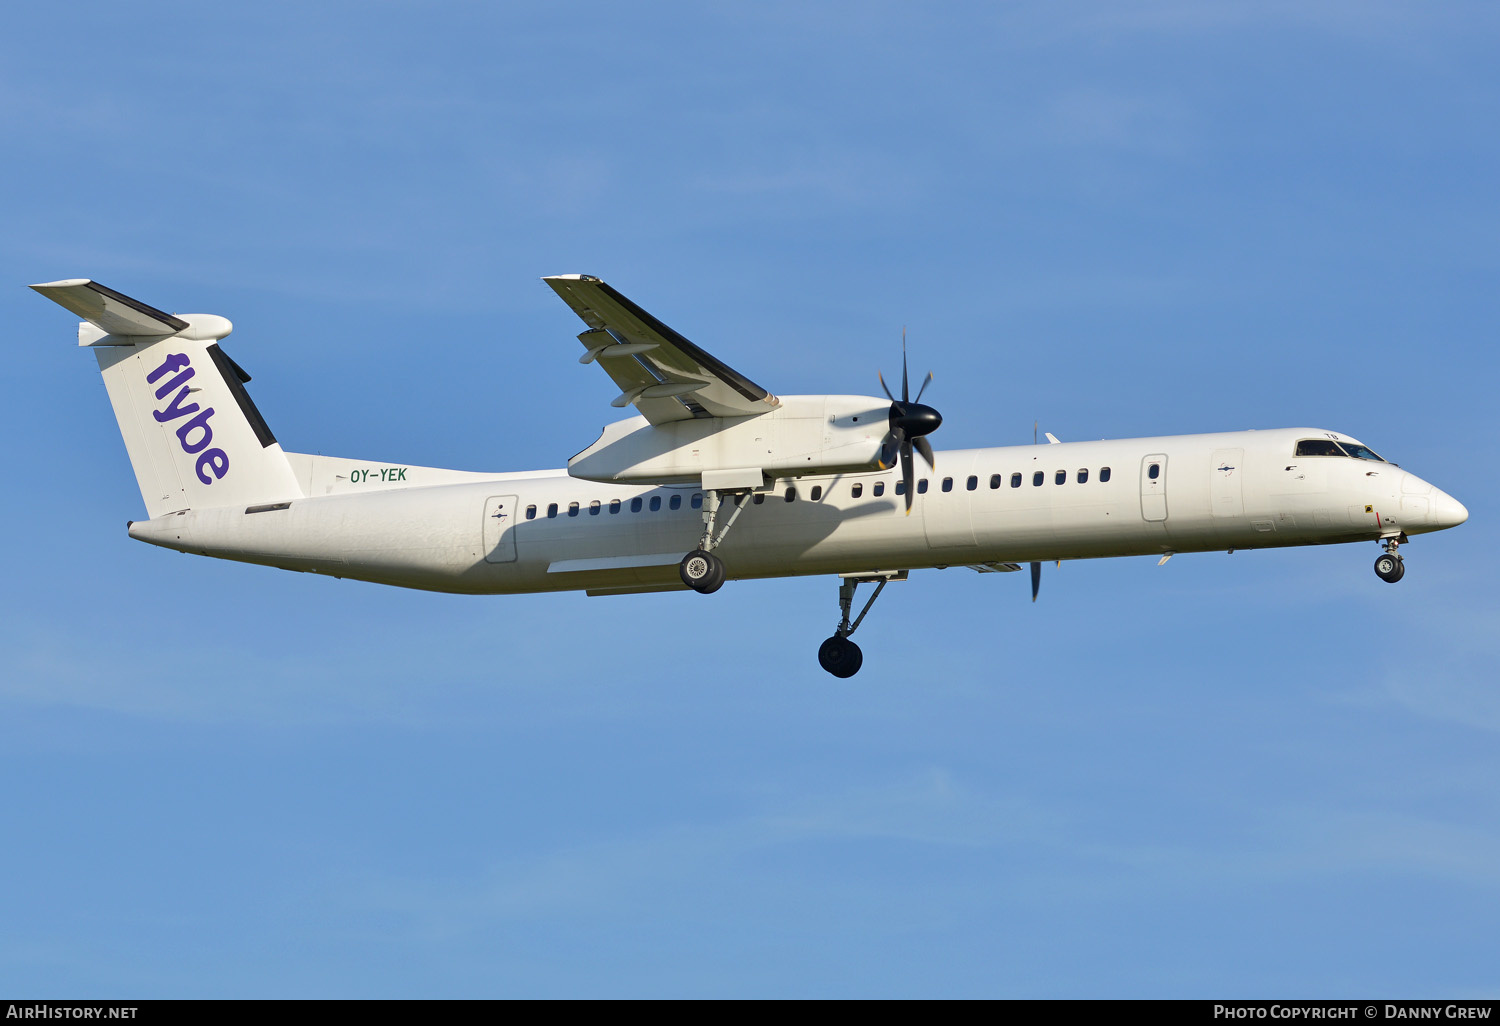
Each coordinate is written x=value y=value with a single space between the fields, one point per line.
x=1389 y=567
x=838 y=655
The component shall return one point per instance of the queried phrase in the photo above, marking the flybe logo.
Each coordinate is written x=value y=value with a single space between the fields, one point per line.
x=193 y=435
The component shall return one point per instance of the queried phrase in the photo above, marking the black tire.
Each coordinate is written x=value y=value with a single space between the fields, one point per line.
x=1389 y=568
x=840 y=657
x=702 y=571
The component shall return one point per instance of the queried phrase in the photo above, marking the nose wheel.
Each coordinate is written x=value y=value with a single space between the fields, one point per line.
x=1389 y=567
x=840 y=657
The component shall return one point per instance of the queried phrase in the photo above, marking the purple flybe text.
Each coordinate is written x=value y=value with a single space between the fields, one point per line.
x=194 y=434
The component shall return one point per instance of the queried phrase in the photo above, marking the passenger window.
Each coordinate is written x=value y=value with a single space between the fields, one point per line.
x=614 y=505
x=817 y=493
x=1103 y=475
x=594 y=508
x=1154 y=472
x=1062 y=477
x=922 y=486
x=697 y=500
x=900 y=487
x=1319 y=447
x=1038 y=478
x=1015 y=480
x=551 y=510
x=856 y=490
x=1083 y=475
x=531 y=512
x=791 y=494
x=879 y=488
x=635 y=504
x=655 y=503
x=572 y=509
x=947 y=484
x=973 y=482
x=675 y=502
x=996 y=480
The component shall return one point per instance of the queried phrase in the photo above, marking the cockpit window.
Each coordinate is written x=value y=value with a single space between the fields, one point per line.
x=1360 y=452
x=1328 y=447
x=1319 y=447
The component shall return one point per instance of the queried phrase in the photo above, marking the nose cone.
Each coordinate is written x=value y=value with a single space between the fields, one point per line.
x=1446 y=511
x=915 y=419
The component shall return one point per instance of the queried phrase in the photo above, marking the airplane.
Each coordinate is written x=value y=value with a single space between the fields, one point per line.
x=713 y=479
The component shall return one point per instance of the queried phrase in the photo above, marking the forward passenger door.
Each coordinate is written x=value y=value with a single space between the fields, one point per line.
x=1154 y=487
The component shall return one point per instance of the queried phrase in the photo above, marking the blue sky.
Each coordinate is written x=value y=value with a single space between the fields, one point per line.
x=1265 y=774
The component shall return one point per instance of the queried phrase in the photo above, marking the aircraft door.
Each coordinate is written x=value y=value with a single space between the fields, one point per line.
x=946 y=516
x=1154 y=487
x=500 y=512
x=1227 y=475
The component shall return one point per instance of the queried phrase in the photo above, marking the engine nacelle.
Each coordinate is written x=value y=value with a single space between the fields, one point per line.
x=806 y=434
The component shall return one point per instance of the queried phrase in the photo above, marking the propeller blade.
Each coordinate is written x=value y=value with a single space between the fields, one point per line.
x=883 y=385
x=892 y=445
x=925 y=448
x=908 y=474
x=923 y=388
x=1036 y=580
x=904 y=390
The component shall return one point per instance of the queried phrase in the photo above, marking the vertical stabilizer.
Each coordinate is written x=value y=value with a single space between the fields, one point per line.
x=194 y=437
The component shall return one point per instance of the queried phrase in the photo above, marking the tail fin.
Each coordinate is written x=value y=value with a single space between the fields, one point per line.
x=194 y=437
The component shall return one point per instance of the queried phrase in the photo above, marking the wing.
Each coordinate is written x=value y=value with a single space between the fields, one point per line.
x=661 y=373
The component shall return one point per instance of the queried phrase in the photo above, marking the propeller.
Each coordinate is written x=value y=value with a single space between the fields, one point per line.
x=1036 y=568
x=911 y=422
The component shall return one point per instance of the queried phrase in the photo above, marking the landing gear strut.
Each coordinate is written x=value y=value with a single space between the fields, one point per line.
x=1389 y=567
x=700 y=569
x=838 y=655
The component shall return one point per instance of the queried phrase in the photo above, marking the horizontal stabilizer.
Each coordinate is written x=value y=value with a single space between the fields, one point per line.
x=107 y=309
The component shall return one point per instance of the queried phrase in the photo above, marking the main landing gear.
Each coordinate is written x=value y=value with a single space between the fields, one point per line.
x=838 y=655
x=1389 y=567
x=700 y=569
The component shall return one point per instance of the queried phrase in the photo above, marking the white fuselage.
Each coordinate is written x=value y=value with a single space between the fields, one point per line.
x=477 y=533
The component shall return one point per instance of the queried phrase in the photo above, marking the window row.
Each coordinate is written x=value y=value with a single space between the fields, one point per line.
x=615 y=505
x=856 y=491
x=1081 y=476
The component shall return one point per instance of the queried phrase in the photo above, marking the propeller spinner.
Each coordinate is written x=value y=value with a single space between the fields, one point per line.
x=911 y=422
